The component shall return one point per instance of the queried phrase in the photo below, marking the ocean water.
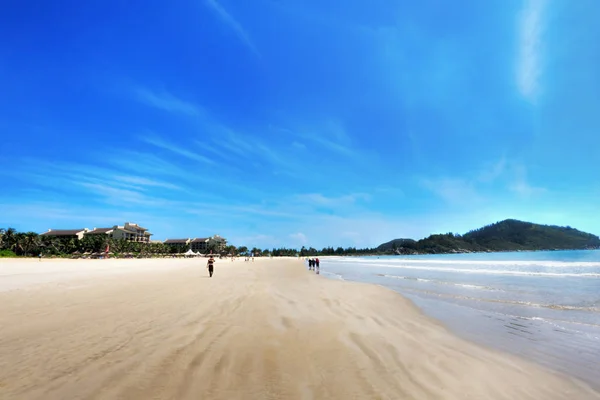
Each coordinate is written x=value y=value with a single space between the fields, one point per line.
x=544 y=306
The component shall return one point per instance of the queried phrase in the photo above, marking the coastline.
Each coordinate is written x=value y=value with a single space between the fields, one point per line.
x=541 y=307
x=269 y=329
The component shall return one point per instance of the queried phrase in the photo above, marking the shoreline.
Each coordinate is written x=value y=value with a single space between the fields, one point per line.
x=488 y=310
x=268 y=328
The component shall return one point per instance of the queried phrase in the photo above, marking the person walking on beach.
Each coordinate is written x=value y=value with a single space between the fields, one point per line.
x=317 y=264
x=210 y=266
x=40 y=257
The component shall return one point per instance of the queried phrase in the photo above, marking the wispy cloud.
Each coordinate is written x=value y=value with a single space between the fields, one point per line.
x=502 y=177
x=299 y=145
x=334 y=137
x=259 y=240
x=233 y=142
x=122 y=197
x=318 y=199
x=529 y=57
x=229 y=144
x=239 y=210
x=335 y=146
x=143 y=163
x=521 y=186
x=64 y=215
x=233 y=24
x=137 y=180
x=493 y=171
x=166 y=101
x=298 y=239
x=453 y=190
x=158 y=142
x=330 y=135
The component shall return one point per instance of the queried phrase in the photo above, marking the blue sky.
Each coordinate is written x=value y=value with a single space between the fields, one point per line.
x=299 y=122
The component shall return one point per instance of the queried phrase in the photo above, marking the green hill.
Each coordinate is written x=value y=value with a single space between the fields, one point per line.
x=508 y=235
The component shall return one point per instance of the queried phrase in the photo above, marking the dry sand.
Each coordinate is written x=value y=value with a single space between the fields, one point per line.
x=160 y=329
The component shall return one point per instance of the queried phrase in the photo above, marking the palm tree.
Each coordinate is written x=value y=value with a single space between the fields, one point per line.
x=230 y=250
x=18 y=243
x=212 y=247
x=30 y=242
x=8 y=238
x=52 y=244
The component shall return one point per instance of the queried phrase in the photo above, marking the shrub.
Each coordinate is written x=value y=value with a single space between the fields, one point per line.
x=7 y=253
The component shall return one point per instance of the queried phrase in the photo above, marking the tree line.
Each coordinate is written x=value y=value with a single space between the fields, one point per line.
x=28 y=244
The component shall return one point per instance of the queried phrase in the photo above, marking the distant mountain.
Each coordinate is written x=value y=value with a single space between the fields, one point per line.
x=507 y=235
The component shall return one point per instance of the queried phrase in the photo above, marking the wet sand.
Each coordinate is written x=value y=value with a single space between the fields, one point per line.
x=161 y=329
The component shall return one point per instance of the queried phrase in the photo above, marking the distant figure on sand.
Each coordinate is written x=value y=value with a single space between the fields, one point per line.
x=40 y=257
x=210 y=265
x=317 y=264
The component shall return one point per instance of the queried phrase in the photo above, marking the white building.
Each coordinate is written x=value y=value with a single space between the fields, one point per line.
x=129 y=231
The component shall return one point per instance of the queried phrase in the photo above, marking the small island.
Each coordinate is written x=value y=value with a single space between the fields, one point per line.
x=507 y=235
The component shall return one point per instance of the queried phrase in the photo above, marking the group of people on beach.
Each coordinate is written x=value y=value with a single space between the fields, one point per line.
x=313 y=265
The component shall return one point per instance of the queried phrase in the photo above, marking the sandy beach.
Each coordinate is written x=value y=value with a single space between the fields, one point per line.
x=161 y=329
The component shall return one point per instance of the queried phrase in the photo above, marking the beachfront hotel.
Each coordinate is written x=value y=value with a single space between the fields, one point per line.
x=177 y=245
x=129 y=231
x=134 y=233
x=215 y=242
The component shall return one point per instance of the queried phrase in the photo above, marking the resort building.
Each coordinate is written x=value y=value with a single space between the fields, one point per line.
x=215 y=243
x=199 y=245
x=218 y=242
x=177 y=245
x=130 y=232
x=65 y=233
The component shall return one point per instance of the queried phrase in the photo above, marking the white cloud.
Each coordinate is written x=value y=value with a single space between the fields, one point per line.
x=521 y=186
x=155 y=141
x=334 y=137
x=260 y=241
x=298 y=239
x=529 y=57
x=318 y=199
x=166 y=102
x=138 y=180
x=144 y=163
x=493 y=171
x=299 y=145
x=229 y=144
x=329 y=135
x=453 y=190
x=233 y=24
x=122 y=197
